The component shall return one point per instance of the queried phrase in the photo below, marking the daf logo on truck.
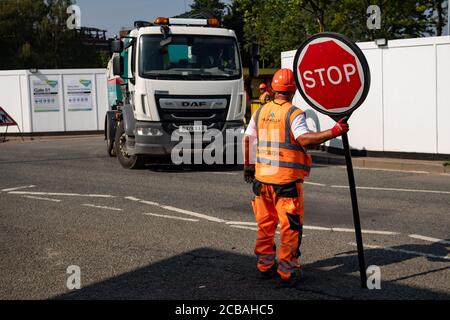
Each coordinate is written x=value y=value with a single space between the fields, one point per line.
x=193 y=104
x=173 y=73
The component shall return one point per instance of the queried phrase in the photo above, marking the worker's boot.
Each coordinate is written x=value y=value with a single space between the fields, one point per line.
x=269 y=274
x=293 y=280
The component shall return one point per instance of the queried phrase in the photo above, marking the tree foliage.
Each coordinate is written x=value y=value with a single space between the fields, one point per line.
x=33 y=34
x=279 y=25
x=213 y=7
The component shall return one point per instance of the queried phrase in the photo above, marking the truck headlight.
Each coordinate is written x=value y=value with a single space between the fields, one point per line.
x=153 y=132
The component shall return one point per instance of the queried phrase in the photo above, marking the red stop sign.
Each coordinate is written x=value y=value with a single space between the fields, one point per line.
x=332 y=74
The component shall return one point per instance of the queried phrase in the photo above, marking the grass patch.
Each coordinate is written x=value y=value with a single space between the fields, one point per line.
x=446 y=163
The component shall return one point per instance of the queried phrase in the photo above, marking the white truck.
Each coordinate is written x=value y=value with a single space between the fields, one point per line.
x=175 y=74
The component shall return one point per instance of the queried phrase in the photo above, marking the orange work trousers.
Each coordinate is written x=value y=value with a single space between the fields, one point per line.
x=283 y=204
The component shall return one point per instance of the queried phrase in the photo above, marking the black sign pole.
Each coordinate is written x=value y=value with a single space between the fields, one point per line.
x=356 y=220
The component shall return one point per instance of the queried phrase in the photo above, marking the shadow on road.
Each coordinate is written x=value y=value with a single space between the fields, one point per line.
x=213 y=274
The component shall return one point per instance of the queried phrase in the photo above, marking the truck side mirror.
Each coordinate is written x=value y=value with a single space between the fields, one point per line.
x=118 y=66
x=117 y=46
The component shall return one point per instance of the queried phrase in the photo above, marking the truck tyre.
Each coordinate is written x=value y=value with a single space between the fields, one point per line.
x=126 y=160
x=110 y=144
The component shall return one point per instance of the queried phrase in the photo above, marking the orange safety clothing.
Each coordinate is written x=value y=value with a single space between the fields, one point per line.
x=273 y=204
x=279 y=158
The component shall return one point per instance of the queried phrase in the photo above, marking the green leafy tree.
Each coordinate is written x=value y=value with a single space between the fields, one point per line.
x=33 y=34
x=213 y=7
x=279 y=25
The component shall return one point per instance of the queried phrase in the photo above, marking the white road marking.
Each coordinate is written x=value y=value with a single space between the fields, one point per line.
x=62 y=194
x=390 y=233
x=242 y=223
x=191 y=213
x=169 y=217
x=394 y=189
x=435 y=240
x=315 y=184
x=250 y=228
x=18 y=188
x=227 y=173
x=151 y=203
x=170 y=208
x=41 y=198
x=316 y=228
x=101 y=207
x=392 y=170
x=132 y=198
x=321 y=228
x=244 y=227
x=416 y=253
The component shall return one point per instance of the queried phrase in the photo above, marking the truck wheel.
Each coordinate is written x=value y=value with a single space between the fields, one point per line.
x=126 y=160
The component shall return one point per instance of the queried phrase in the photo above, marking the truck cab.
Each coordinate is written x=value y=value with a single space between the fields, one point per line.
x=178 y=76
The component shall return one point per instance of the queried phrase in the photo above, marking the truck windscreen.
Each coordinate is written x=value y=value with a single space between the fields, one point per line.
x=189 y=57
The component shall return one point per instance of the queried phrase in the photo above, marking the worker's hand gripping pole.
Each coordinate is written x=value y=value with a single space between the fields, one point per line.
x=356 y=220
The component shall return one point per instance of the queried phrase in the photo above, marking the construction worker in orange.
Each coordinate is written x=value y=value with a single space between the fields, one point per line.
x=264 y=94
x=279 y=133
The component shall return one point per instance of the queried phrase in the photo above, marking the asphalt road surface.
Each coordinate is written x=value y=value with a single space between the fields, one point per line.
x=167 y=232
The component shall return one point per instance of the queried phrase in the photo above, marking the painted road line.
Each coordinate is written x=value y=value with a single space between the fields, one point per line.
x=18 y=188
x=434 y=240
x=322 y=228
x=416 y=253
x=243 y=223
x=365 y=231
x=244 y=227
x=192 y=213
x=132 y=198
x=62 y=194
x=389 y=170
x=315 y=184
x=394 y=189
x=41 y=198
x=226 y=173
x=151 y=203
x=250 y=228
x=101 y=207
x=316 y=228
x=169 y=217
x=174 y=209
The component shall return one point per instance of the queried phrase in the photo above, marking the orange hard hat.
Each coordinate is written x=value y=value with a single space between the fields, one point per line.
x=283 y=81
x=262 y=86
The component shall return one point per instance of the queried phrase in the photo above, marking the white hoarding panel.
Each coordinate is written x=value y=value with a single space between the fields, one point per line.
x=11 y=102
x=366 y=123
x=46 y=103
x=443 y=98
x=78 y=96
x=102 y=99
x=410 y=99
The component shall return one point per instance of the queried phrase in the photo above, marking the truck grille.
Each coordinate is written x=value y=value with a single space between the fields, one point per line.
x=175 y=110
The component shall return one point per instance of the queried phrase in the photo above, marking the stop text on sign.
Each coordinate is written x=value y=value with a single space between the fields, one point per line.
x=332 y=75
x=329 y=74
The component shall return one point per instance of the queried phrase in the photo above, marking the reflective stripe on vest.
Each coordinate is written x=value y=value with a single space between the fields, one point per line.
x=276 y=163
x=288 y=155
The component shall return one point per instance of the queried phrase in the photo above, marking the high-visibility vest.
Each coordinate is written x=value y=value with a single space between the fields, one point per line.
x=279 y=158
x=264 y=97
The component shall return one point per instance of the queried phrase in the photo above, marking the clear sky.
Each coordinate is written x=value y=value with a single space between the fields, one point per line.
x=112 y=15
